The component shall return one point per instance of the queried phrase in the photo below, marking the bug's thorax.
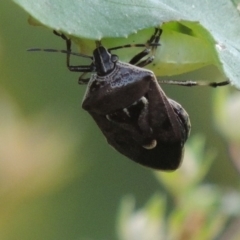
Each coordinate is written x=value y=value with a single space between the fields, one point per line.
x=104 y=61
x=118 y=89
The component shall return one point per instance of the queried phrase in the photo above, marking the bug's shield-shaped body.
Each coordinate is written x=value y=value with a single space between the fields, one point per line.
x=136 y=117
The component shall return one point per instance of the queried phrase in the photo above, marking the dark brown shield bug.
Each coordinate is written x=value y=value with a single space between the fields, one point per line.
x=129 y=106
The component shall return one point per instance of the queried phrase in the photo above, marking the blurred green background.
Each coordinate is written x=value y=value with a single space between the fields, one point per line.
x=58 y=177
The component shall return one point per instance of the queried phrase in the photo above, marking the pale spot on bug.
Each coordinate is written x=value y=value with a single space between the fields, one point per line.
x=151 y=145
x=108 y=118
x=144 y=100
x=126 y=111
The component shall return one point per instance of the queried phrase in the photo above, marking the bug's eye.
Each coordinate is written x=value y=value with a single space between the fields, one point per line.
x=114 y=58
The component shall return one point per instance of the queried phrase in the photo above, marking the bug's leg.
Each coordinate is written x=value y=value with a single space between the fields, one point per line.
x=155 y=39
x=68 y=46
x=145 y=62
x=151 y=47
x=194 y=84
x=139 y=56
x=80 y=68
x=82 y=80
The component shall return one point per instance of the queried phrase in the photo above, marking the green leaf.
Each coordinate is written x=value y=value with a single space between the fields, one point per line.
x=99 y=19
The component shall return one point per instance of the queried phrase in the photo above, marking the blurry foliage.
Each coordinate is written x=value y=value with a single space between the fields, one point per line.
x=200 y=210
x=31 y=148
x=60 y=180
x=227 y=121
x=35 y=158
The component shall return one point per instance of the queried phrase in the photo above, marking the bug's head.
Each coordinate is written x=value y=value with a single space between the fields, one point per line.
x=104 y=61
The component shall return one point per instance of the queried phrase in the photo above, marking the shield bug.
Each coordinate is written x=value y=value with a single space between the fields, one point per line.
x=129 y=106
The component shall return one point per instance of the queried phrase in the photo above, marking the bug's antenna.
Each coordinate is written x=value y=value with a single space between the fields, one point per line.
x=195 y=84
x=58 y=51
